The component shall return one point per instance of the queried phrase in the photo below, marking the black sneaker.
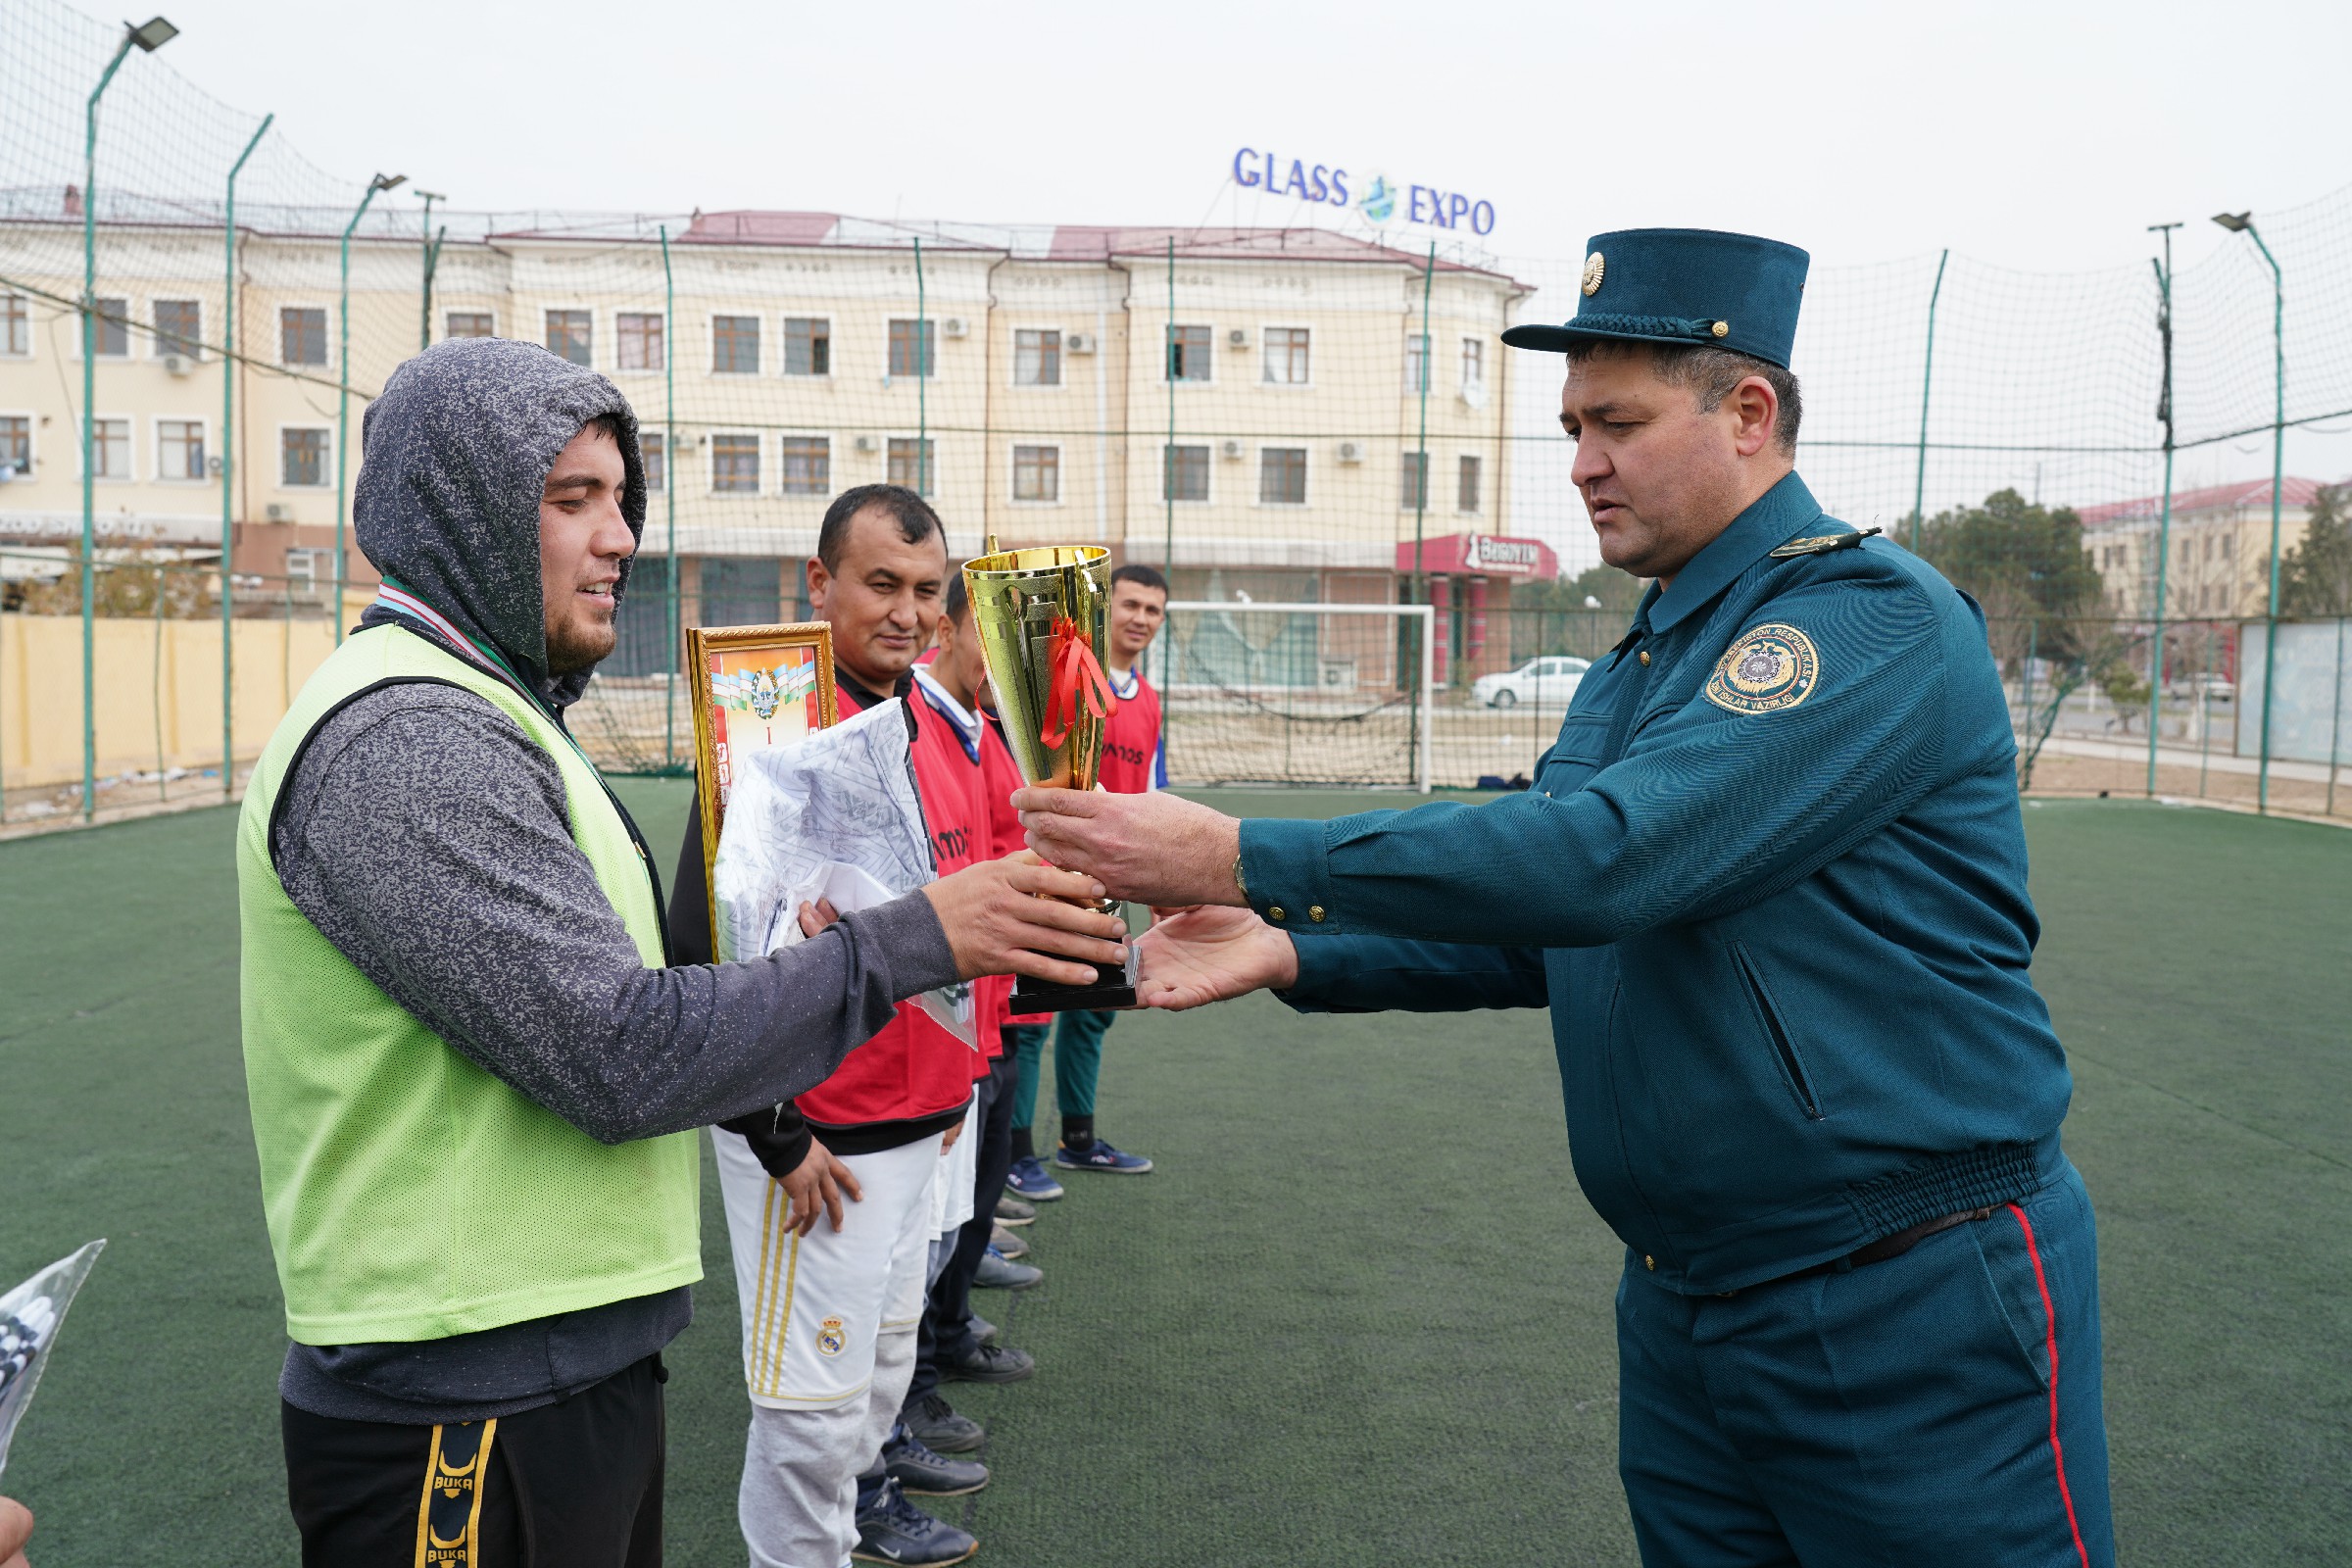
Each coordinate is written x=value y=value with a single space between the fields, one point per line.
x=893 y=1530
x=934 y=1423
x=988 y=1363
x=921 y=1472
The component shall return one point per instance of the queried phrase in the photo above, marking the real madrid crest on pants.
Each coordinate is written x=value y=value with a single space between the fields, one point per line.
x=1766 y=668
x=832 y=1336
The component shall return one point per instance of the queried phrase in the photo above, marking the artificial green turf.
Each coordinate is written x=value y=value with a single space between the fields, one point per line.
x=1357 y=1315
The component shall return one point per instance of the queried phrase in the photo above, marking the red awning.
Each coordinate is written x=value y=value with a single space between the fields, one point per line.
x=1480 y=554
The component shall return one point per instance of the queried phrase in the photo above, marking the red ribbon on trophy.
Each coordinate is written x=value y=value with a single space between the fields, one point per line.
x=1077 y=677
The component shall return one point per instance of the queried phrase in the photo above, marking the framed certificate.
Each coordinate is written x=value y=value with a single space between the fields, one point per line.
x=754 y=687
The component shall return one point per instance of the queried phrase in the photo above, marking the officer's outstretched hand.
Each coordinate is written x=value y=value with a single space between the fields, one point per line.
x=1010 y=917
x=15 y=1528
x=1156 y=849
x=1206 y=954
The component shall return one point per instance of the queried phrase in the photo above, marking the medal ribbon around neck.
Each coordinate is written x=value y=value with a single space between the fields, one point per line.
x=1077 y=678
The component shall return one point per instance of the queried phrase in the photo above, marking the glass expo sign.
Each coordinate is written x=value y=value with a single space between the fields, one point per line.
x=1379 y=201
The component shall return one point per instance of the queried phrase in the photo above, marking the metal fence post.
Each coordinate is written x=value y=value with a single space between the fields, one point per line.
x=343 y=400
x=1926 y=382
x=229 y=468
x=2163 y=528
x=670 y=499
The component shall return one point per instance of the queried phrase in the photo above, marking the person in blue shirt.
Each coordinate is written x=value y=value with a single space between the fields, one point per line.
x=1770 y=883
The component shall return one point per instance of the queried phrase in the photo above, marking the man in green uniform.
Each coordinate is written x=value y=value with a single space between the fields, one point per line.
x=1771 y=882
x=474 y=1074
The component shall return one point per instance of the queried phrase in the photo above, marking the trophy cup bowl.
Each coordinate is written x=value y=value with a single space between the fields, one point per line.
x=1043 y=616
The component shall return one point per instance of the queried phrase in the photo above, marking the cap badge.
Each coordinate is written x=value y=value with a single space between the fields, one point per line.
x=1721 y=330
x=1768 y=668
x=1595 y=265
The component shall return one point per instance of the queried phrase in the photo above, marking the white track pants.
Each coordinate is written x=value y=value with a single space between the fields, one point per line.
x=828 y=1343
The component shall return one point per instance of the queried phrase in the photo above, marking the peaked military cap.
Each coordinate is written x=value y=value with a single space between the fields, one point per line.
x=1683 y=285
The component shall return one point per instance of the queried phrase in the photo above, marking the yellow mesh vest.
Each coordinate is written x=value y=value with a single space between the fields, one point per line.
x=409 y=1194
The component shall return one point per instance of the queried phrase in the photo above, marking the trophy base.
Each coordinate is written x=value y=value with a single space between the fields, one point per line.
x=1112 y=988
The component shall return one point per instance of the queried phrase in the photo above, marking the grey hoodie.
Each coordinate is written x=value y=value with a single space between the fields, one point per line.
x=427 y=838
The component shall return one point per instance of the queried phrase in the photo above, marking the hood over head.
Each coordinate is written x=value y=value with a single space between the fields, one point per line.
x=455 y=455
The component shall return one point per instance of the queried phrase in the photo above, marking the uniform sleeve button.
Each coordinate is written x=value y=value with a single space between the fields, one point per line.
x=1276 y=911
x=1650 y=1262
x=1314 y=912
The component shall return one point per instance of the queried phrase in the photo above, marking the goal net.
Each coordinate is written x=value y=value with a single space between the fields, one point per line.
x=1295 y=694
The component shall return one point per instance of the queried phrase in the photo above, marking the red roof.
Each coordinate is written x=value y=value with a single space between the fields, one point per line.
x=2213 y=498
x=762 y=228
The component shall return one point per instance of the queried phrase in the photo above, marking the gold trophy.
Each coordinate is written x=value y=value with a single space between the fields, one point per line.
x=1043 y=616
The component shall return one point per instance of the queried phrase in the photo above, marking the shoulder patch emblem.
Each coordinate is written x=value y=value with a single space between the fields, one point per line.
x=1769 y=667
x=1821 y=544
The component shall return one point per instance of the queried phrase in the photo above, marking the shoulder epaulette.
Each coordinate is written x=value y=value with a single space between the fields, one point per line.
x=1821 y=544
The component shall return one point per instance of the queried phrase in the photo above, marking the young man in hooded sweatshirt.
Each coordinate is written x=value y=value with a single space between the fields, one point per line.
x=474 y=1075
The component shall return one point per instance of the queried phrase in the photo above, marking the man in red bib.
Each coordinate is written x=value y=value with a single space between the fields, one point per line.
x=1135 y=759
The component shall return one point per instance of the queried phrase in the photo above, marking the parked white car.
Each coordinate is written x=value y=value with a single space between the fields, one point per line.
x=1547 y=682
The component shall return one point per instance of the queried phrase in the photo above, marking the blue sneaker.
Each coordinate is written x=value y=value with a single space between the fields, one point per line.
x=1099 y=1156
x=1028 y=1178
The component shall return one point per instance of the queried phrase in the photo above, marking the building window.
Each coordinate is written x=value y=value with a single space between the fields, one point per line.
x=904 y=339
x=1466 y=496
x=652 y=448
x=642 y=345
x=468 y=323
x=1037 y=474
x=301 y=458
x=807 y=466
x=179 y=328
x=1413 y=482
x=1036 y=358
x=910 y=463
x=1188 y=353
x=301 y=336
x=807 y=346
x=570 y=336
x=179 y=449
x=1416 y=363
x=16 y=325
x=16 y=445
x=1286 y=355
x=114 y=328
x=735 y=345
x=306 y=570
x=110 y=449
x=1281 y=476
x=735 y=464
x=1187 y=475
x=1474 y=363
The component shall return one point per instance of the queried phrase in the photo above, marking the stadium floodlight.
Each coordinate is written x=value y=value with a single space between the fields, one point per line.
x=387 y=181
x=150 y=37
x=2243 y=224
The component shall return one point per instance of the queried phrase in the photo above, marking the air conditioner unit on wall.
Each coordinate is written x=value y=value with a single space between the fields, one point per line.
x=953 y=326
x=1232 y=451
x=1237 y=338
x=276 y=511
x=1351 y=452
x=865 y=443
x=1079 y=342
x=177 y=364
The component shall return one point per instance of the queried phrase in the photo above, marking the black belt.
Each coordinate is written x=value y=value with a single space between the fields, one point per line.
x=1878 y=1251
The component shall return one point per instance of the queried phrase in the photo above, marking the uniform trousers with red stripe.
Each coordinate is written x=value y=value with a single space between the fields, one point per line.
x=1942 y=1407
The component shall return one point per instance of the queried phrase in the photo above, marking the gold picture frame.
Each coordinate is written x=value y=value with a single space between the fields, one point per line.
x=761 y=674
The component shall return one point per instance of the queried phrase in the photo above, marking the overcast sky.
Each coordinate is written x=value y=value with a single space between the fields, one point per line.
x=2042 y=136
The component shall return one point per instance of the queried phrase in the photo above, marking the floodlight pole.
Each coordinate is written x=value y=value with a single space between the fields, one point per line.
x=923 y=379
x=1423 y=719
x=2270 y=640
x=228 y=466
x=146 y=39
x=1927 y=384
x=343 y=398
x=2164 y=527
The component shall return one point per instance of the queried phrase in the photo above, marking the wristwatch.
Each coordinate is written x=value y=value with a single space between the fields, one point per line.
x=1238 y=880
